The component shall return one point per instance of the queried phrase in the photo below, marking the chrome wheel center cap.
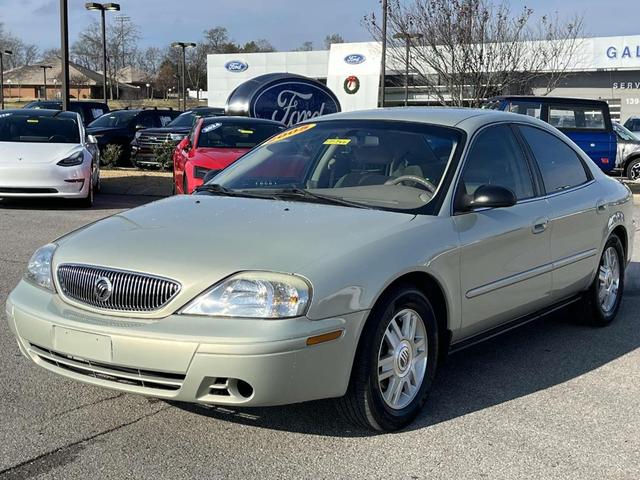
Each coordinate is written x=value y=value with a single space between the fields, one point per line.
x=403 y=358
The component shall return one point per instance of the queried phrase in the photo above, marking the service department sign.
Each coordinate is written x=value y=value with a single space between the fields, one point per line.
x=283 y=97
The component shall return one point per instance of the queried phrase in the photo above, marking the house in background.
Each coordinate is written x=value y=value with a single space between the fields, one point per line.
x=28 y=82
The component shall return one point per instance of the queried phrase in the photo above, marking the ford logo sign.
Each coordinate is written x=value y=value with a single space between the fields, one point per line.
x=354 y=59
x=283 y=97
x=236 y=66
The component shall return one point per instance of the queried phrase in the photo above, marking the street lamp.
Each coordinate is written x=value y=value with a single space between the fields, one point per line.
x=148 y=85
x=2 y=54
x=407 y=37
x=44 y=76
x=102 y=8
x=184 y=46
x=383 y=67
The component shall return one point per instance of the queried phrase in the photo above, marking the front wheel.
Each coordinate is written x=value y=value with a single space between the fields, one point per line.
x=87 y=202
x=633 y=170
x=395 y=363
x=602 y=300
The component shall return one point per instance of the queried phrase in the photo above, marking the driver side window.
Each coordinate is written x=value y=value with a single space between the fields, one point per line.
x=496 y=158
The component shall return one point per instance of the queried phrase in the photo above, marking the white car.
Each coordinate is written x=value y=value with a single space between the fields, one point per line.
x=46 y=153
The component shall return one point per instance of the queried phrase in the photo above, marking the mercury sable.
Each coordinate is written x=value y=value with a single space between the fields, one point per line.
x=46 y=153
x=341 y=258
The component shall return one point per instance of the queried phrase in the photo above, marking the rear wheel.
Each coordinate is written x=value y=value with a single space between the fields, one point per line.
x=602 y=300
x=633 y=169
x=395 y=363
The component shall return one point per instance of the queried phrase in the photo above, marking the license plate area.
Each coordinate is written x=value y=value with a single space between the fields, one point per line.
x=82 y=345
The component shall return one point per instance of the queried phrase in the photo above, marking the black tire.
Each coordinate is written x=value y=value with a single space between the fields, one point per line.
x=87 y=202
x=632 y=171
x=363 y=404
x=185 y=185
x=591 y=311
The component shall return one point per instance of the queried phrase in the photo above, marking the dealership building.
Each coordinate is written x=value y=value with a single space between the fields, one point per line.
x=606 y=68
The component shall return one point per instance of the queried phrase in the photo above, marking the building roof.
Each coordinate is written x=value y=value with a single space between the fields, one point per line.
x=131 y=74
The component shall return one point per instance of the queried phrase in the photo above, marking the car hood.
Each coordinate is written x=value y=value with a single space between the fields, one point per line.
x=166 y=130
x=103 y=130
x=199 y=240
x=23 y=153
x=217 y=157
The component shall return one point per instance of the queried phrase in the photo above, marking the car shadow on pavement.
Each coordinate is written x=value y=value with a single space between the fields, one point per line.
x=101 y=202
x=538 y=356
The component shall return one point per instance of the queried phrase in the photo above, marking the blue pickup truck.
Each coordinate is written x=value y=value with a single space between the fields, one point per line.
x=586 y=122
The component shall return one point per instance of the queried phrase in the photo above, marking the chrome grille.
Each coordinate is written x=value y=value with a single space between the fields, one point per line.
x=150 y=140
x=130 y=291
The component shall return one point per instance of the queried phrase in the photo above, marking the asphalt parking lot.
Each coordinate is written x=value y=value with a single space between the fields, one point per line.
x=551 y=400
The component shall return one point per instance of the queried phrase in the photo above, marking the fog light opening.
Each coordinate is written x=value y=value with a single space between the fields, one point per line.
x=244 y=389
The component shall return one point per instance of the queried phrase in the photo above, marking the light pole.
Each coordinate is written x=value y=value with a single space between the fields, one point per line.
x=64 y=53
x=44 y=77
x=407 y=37
x=103 y=8
x=2 y=54
x=148 y=85
x=183 y=88
x=383 y=67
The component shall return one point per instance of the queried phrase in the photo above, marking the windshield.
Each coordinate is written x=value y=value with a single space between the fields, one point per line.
x=380 y=164
x=35 y=128
x=624 y=133
x=115 y=119
x=224 y=134
x=186 y=119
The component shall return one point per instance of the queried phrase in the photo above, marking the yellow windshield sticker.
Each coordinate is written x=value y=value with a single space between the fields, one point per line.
x=290 y=133
x=33 y=120
x=246 y=132
x=337 y=141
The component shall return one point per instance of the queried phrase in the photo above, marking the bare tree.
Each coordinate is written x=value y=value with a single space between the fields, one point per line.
x=305 y=47
x=465 y=51
x=331 y=39
x=23 y=53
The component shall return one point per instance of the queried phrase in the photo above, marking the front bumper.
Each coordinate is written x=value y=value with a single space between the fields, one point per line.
x=192 y=359
x=44 y=180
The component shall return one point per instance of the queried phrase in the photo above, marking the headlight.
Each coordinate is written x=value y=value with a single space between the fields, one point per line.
x=254 y=295
x=200 y=172
x=39 y=267
x=177 y=137
x=137 y=135
x=73 y=160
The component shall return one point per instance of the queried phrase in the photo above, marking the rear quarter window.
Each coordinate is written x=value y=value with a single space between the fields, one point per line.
x=577 y=117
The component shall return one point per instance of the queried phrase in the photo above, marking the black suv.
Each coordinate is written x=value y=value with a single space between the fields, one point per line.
x=88 y=110
x=119 y=127
x=146 y=141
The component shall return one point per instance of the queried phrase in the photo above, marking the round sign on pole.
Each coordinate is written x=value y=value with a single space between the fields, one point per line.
x=283 y=97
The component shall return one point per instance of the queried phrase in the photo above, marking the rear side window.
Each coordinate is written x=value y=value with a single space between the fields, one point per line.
x=577 y=117
x=532 y=109
x=560 y=166
x=496 y=158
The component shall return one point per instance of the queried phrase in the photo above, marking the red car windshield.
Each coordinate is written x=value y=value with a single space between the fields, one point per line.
x=225 y=134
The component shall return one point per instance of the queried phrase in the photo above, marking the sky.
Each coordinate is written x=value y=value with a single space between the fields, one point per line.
x=285 y=23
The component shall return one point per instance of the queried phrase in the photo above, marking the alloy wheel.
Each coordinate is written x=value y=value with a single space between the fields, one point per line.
x=402 y=359
x=634 y=173
x=608 y=280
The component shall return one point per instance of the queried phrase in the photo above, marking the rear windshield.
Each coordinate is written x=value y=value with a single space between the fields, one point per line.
x=235 y=135
x=34 y=128
x=115 y=119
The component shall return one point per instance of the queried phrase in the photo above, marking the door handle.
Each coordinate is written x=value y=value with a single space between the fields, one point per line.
x=540 y=225
x=601 y=206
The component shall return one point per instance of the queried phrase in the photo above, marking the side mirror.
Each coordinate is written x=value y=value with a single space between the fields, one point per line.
x=489 y=196
x=210 y=174
x=184 y=144
x=91 y=139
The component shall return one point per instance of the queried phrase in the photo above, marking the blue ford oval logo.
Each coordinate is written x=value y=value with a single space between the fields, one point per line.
x=236 y=66
x=354 y=59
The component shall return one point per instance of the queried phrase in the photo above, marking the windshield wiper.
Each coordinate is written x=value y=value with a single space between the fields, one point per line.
x=301 y=193
x=216 y=189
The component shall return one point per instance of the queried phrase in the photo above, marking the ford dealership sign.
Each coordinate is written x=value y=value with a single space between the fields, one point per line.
x=236 y=66
x=283 y=97
x=354 y=59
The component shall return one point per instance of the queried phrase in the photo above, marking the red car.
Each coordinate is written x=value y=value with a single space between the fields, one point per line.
x=215 y=143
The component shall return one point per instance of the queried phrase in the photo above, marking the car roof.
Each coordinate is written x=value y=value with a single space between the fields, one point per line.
x=41 y=112
x=445 y=116
x=237 y=119
x=554 y=100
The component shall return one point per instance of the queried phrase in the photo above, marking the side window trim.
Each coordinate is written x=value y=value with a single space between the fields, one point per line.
x=534 y=169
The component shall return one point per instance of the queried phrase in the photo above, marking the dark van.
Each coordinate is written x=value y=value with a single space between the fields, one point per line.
x=586 y=122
